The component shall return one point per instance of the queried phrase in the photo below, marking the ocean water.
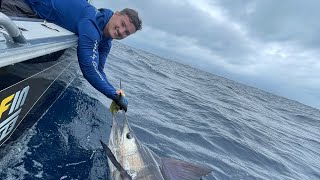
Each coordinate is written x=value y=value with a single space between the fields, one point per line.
x=178 y=112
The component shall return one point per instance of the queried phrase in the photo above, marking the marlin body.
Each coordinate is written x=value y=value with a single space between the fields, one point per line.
x=129 y=159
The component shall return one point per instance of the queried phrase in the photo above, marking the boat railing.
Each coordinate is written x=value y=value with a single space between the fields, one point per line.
x=12 y=29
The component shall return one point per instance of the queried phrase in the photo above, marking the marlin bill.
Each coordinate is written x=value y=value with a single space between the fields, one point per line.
x=129 y=159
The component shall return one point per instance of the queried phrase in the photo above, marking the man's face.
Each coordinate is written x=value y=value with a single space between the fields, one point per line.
x=119 y=27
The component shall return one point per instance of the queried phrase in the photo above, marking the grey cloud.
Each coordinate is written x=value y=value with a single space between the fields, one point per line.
x=273 y=21
x=182 y=19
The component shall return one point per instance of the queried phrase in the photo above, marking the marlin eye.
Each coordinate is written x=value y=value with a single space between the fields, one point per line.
x=129 y=136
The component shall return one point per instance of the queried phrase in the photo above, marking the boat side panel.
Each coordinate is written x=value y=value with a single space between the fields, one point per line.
x=27 y=90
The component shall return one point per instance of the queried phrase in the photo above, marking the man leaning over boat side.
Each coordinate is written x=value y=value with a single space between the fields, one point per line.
x=96 y=29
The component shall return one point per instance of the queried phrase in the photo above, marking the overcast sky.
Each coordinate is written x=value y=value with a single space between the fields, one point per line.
x=269 y=44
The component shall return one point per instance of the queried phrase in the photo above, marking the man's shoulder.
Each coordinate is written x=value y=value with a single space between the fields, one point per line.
x=88 y=27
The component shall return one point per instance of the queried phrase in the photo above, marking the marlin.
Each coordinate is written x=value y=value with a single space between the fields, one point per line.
x=129 y=159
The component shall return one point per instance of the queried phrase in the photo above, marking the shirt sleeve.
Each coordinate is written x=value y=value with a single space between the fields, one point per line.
x=104 y=49
x=89 y=60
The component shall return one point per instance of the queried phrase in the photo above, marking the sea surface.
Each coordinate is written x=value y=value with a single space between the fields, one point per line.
x=178 y=112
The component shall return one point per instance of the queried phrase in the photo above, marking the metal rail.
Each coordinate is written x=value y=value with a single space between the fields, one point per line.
x=12 y=29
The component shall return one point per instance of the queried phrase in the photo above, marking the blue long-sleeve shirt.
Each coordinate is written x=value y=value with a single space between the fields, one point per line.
x=81 y=18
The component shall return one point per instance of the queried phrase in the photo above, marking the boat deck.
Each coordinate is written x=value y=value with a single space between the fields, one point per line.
x=42 y=38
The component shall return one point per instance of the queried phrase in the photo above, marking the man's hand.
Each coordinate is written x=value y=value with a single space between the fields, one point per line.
x=120 y=91
x=121 y=100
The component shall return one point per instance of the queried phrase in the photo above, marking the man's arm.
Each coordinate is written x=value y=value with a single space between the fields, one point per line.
x=89 y=60
x=104 y=49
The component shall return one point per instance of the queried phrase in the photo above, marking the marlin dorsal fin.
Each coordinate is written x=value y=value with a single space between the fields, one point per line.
x=174 y=169
x=123 y=173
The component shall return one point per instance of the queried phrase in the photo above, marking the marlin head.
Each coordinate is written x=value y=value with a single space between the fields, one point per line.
x=129 y=159
x=124 y=146
x=128 y=144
